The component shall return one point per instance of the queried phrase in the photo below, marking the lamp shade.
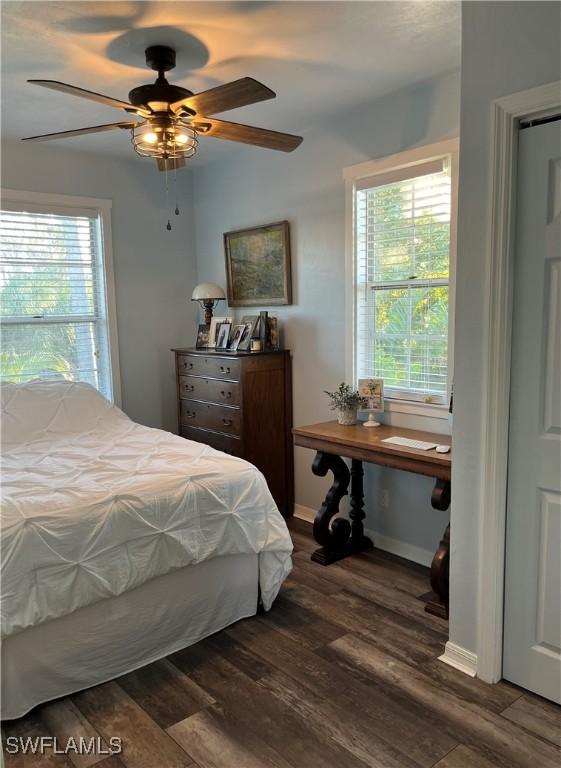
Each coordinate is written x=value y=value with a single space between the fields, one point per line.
x=208 y=292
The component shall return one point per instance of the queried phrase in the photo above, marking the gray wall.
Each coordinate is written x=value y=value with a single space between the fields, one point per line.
x=251 y=187
x=154 y=269
x=506 y=47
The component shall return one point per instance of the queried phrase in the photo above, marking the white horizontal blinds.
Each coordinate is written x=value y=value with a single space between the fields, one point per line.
x=402 y=240
x=52 y=296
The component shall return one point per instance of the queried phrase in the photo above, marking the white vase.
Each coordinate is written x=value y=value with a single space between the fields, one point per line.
x=347 y=417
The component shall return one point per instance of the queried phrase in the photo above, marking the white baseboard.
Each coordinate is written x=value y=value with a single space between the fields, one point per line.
x=459 y=658
x=401 y=548
x=304 y=513
x=385 y=543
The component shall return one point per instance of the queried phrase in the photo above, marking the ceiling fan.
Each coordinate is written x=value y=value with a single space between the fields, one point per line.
x=172 y=118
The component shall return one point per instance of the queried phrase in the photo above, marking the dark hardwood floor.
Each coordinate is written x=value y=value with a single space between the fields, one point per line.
x=341 y=673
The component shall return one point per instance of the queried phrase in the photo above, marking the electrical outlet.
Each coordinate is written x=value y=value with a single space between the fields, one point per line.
x=385 y=499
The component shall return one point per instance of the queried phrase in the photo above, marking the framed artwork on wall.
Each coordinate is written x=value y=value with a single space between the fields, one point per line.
x=258 y=266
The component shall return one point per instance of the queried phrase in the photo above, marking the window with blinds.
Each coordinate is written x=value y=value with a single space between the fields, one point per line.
x=402 y=260
x=53 y=313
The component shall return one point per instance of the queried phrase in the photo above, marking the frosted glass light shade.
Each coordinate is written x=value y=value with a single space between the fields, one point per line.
x=208 y=291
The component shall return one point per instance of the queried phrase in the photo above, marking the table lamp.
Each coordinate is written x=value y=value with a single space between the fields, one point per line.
x=208 y=295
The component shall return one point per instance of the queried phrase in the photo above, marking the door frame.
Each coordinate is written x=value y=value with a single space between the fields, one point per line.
x=507 y=112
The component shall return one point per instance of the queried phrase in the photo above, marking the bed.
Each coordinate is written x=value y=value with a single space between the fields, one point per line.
x=120 y=543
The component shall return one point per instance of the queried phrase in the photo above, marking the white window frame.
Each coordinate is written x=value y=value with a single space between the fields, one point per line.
x=352 y=175
x=103 y=209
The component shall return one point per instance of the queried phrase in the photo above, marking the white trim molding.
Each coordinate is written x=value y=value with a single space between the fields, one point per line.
x=459 y=658
x=385 y=543
x=400 y=548
x=352 y=175
x=506 y=115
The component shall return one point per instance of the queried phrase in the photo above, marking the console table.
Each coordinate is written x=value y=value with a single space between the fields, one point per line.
x=340 y=537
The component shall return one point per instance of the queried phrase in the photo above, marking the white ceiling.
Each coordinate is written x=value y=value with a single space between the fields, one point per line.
x=319 y=57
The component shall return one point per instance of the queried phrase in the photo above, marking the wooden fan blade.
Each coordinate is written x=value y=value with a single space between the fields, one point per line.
x=246 y=134
x=109 y=101
x=238 y=93
x=80 y=131
x=171 y=164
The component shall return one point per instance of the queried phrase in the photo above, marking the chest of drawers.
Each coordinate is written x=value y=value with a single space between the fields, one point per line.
x=241 y=403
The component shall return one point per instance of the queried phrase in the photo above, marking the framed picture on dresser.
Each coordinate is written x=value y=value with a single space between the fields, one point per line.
x=202 y=336
x=237 y=335
x=245 y=341
x=215 y=324
x=223 y=335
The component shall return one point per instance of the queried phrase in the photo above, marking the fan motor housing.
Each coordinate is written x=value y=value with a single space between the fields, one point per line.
x=158 y=91
x=161 y=58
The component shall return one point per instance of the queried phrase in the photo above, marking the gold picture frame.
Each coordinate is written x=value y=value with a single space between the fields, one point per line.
x=258 y=270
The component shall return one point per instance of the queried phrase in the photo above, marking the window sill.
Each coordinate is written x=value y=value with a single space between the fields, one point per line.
x=395 y=405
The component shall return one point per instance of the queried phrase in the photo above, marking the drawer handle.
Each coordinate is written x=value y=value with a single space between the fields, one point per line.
x=187 y=365
x=190 y=414
x=189 y=387
x=227 y=422
x=226 y=395
x=224 y=369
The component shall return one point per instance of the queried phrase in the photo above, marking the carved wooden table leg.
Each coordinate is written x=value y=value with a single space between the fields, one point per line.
x=359 y=540
x=437 y=603
x=339 y=538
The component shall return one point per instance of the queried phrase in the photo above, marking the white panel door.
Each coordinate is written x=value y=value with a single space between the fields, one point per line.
x=532 y=628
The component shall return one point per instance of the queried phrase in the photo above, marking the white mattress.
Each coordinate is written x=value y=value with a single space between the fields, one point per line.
x=95 y=505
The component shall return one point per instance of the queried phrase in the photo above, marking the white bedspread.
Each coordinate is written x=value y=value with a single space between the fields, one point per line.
x=94 y=504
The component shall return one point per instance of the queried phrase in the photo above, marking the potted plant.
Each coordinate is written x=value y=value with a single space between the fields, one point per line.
x=346 y=401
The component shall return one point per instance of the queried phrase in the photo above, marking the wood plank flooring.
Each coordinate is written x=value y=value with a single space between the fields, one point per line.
x=341 y=673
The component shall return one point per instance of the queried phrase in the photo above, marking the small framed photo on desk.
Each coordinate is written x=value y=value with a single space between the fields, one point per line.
x=373 y=391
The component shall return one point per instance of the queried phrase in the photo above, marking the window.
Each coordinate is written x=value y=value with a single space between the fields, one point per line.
x=54 y=310
x=402 y=231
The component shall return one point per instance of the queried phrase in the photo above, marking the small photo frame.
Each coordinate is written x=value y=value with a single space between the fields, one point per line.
x=237 y=333
x=202 y=336
x=215 y=323
x=223 y=335
x=373 y=391
x=253 y=320
x=245 y=341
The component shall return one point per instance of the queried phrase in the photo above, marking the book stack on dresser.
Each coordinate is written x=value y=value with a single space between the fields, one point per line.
x=241 y=403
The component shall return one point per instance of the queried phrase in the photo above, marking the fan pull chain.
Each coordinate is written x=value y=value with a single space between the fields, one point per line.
x=168 y=225
x=175 y=187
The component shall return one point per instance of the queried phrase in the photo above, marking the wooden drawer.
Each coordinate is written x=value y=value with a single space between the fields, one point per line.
x=207 y=416
x=211 y=390
x=225 y=443
x=213 y=367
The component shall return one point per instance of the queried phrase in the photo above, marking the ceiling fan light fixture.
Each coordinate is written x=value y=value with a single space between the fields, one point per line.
x=161 y=137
